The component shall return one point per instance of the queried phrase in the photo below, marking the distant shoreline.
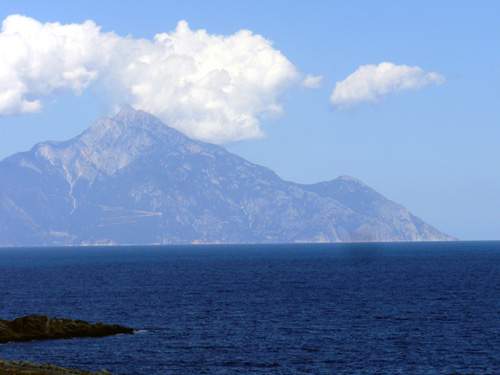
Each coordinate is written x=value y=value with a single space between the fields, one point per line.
x=278 y=244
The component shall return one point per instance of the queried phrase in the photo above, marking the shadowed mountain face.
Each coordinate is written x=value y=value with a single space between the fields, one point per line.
x=131 y=179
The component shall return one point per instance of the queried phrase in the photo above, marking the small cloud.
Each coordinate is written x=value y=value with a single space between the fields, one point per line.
x=312 y=82
x=369 y=83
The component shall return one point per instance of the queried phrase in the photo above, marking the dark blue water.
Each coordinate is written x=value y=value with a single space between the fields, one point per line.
x=301 y=309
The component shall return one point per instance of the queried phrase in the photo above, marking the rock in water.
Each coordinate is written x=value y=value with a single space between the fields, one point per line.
x=40 y=327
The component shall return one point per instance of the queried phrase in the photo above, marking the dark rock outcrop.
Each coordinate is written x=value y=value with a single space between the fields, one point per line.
x=40 y=327
x=27 y=368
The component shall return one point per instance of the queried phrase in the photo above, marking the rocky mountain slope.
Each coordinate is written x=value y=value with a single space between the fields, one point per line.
x=131 y=179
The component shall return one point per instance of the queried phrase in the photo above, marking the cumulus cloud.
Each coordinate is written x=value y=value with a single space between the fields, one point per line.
x=38 y=59
x=211 y=87
x=371 y=82
x=312 y=82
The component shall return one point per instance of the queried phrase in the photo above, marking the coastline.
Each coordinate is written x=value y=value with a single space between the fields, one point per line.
x=28 y=368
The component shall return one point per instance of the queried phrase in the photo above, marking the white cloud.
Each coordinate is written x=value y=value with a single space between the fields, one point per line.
x=312 y=82
x=371 y=82
x=211 y=87
x=38 y=59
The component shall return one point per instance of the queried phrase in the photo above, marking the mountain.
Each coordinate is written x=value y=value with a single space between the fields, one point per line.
x=131 y=179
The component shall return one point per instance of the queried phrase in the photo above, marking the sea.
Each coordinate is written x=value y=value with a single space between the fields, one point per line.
x=366 y=308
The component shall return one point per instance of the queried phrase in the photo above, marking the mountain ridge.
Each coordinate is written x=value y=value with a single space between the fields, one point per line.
x=130 y=179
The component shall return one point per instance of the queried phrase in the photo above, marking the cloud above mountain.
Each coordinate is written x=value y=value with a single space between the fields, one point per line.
x=369 y=83
x=212 y=87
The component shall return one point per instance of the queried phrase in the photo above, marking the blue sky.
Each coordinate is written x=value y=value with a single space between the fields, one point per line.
x=436 y=150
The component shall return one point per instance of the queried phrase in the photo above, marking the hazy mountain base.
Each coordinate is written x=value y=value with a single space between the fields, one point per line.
x=131 y=179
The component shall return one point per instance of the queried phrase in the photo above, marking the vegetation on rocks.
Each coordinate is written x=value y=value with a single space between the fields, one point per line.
x=26 y=368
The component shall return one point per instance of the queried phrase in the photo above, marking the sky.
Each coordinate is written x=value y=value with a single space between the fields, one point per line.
x=402 y=95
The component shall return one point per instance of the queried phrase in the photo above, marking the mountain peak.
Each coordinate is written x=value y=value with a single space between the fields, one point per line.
x=126 y=108
x=129 y=115
x=129 y=126
x=111 y=144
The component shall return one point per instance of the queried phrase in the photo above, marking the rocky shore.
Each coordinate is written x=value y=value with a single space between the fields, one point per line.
x=40 y=327
x=26 y=368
